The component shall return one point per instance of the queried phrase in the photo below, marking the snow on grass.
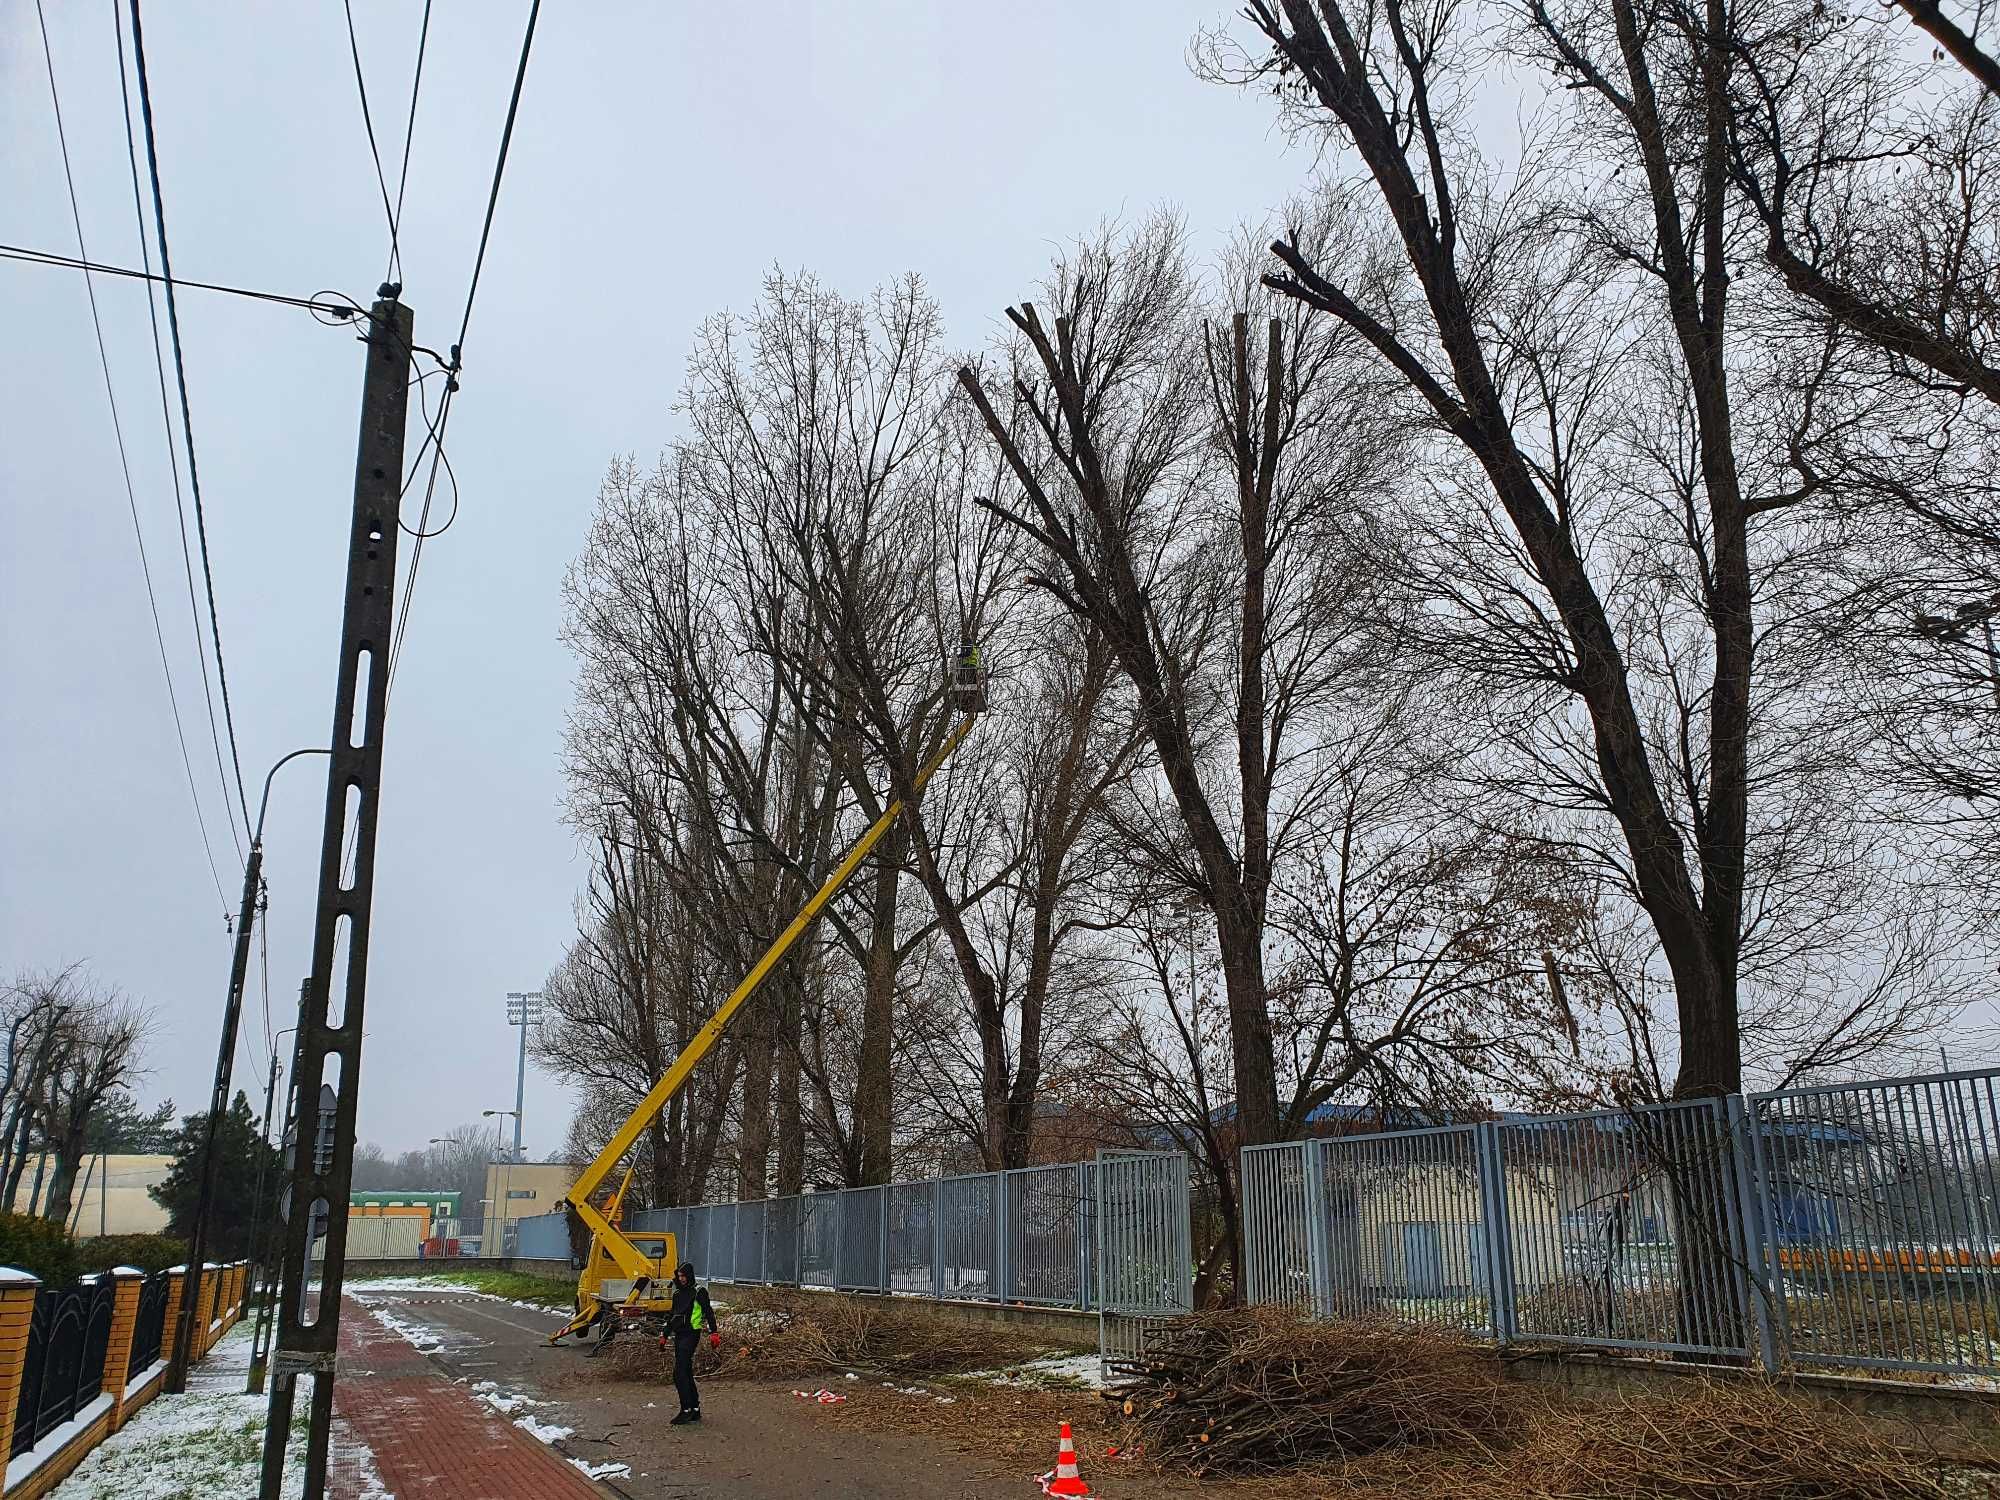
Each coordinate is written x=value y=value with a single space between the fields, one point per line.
x=207 y=1444
x=369 y=1289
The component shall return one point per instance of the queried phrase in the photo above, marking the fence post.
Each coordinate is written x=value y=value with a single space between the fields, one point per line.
x=176 y=1289
x=937 y=1239
x=1319 y=1254
x=1083 y=1236
x=839 y=1233
x=1001 y=1259
x=764 y=1246
x=882 y=1266
x=1748 y=1197
x=18 y=1291
x=126 y=1284
x=211 y=1287
x=1490 y=1158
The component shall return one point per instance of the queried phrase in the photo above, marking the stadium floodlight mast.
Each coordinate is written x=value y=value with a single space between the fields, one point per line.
x=524 y=1009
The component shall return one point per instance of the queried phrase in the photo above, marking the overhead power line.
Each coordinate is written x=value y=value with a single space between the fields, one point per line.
x=335 y=305
x=410 y=125
x=124 y=462
x=187 y=415
x=458 y=346
x=173 y=450
x=368 y=124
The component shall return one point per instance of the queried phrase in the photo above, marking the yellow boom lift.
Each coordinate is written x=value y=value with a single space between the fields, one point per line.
x=626 y=1277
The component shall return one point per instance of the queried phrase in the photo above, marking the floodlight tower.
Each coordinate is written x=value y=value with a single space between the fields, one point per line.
x=524 y=1009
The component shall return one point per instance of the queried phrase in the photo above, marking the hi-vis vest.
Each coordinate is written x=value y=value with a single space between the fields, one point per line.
x=694 y=1317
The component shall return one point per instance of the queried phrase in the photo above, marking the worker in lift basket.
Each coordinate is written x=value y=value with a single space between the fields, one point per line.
x=690 y=1316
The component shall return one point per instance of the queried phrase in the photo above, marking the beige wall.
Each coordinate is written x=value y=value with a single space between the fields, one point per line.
x=1443 y=1205
x=110 y=1197
x=521 y=1190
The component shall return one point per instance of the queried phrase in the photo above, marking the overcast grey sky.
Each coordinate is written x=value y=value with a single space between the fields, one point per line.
x=667 y=155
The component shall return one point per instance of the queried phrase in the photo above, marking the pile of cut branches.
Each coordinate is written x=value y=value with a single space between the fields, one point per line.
x=1712 y=1441
x=1258 y=1391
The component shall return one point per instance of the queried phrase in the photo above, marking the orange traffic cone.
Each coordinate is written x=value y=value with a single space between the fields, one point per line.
x=1066 y=1480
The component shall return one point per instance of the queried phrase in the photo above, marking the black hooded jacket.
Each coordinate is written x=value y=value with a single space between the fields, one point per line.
x=680 y=1316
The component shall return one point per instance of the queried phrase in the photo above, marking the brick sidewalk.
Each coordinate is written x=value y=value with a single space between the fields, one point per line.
x=430 y=1439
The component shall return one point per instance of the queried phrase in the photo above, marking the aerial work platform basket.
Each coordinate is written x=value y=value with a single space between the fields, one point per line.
x=968 y=680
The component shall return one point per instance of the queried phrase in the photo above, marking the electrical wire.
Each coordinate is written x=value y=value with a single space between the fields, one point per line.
x=368 y=123
x=458 y=345
x=187 y=414
x=167 y=425
x=125 y=466
x=346 y=307
x=433 y=438
x=410 y=124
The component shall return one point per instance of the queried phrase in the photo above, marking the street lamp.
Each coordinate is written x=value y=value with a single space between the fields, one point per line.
x=524 y=1009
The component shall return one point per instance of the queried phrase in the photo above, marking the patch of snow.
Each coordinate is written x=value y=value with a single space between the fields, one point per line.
x=543 y=1432
x=11 y=1276
x=1081 y=1370
x=502 y=1402
x=600 y=1471
x=418 y=1335
x=20 y=1468
x=388 y=1286
x=405 y=1284
x=350 y=1456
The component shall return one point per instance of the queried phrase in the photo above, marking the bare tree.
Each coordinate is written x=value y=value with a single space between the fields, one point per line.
x=85 y=1041
x=1186 y=483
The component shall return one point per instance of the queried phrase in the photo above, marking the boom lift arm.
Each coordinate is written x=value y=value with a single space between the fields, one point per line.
x=607 y=1237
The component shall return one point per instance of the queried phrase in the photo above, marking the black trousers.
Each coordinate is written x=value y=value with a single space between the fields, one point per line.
x=684 y=1346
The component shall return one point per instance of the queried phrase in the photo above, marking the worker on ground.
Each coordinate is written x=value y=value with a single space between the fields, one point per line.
x=690 y=1316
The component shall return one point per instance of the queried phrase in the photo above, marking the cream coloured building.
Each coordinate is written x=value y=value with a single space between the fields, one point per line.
x=111 y=1193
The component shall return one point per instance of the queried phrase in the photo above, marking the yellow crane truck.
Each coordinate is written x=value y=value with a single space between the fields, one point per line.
x=625 y=1280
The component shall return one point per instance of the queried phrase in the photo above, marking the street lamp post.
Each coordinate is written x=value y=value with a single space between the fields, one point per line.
x=524 y=1009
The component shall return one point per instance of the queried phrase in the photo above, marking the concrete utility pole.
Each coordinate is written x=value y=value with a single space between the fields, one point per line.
x=260 y=1331
x=328 y=1060
x=218 y=1103
x=524 y=1009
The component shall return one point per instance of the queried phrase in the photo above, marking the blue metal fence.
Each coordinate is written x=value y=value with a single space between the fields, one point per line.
x=1857 y=1224
x=1026 y=1236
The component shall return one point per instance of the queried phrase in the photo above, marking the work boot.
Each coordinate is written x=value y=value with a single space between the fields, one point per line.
x=690 y=1415
x=694 y=1414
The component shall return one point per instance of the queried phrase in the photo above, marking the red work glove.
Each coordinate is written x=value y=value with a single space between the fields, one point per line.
x=715 y=1341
